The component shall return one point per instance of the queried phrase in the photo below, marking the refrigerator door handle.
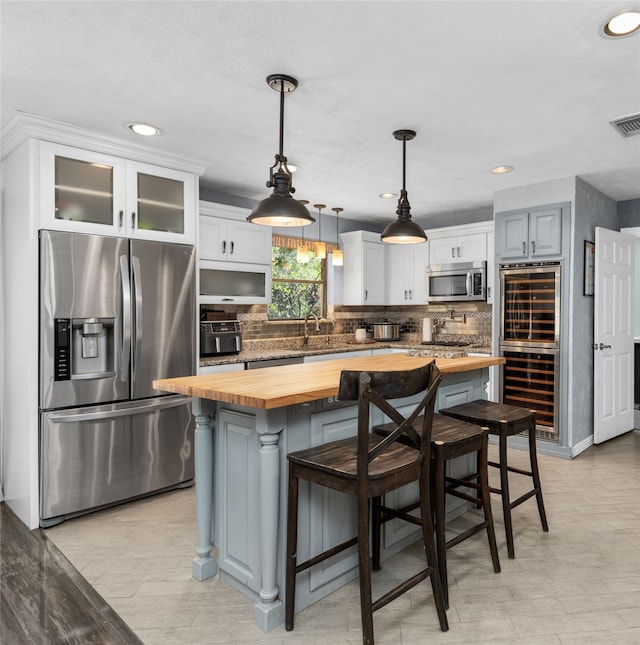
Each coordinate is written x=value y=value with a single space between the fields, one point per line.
x=124 y=412
x=126 y=318
x=137 y=297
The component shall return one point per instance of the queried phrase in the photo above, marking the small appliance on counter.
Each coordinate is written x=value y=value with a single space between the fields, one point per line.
x=220 y=333
x=386 y=331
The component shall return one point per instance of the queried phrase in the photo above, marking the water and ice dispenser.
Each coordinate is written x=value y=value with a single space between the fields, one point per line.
x=84 y=348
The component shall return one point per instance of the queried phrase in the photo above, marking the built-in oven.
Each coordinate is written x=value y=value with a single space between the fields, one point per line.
x=458 y=282
x=220 y=337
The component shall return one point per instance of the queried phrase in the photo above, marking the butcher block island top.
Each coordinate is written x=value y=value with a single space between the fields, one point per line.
x=276 y=387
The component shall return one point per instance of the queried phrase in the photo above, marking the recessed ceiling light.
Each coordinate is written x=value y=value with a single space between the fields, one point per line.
x=144 y=129
x=387 y=195
x=500 y=170
x=623 y=24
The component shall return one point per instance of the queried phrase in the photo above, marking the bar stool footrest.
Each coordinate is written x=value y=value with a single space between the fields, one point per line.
x=461 y=537
x=401 y=588
x=325 y=555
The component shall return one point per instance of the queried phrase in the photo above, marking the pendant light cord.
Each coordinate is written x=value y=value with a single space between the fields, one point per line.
x=281 y=155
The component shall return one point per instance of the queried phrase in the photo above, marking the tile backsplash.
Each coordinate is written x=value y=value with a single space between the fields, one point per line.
x=464 y=319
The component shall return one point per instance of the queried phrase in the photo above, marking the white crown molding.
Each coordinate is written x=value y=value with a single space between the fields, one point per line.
x=22 y=126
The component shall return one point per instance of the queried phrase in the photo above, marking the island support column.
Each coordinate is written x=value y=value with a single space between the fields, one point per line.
x=205 y=565
x=269 y=612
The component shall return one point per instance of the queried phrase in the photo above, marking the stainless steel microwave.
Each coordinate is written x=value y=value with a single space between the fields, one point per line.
x=464 y=281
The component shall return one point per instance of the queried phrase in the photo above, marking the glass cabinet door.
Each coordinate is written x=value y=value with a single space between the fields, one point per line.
x=160 y=203
x=83 y=191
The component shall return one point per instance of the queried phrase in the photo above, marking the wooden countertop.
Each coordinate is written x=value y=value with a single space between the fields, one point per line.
x=275 y=387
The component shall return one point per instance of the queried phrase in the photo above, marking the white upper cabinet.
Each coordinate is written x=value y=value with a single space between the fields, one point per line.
x=460 y=247
x=525 y=235
x=364 y=269
x=226 y=236
x=406 y=273
x=93 y=192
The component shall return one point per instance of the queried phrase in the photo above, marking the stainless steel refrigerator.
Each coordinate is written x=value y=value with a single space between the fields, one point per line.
x=115 y=314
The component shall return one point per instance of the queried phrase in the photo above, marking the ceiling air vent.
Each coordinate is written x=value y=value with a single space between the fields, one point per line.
x=627 y=125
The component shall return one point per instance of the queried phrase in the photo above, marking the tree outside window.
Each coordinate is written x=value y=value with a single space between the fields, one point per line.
x=297 y=288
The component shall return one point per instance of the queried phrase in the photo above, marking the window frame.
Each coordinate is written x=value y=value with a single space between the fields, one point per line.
x=322 y=282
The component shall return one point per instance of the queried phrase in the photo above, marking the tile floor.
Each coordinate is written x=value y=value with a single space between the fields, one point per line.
x=579 y=584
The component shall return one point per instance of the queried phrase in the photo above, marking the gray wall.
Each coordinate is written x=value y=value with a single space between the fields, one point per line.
x=592 y=208
x=629 y=213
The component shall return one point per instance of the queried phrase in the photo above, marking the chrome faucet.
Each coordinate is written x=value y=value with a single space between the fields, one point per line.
x=331 y=322
x=305 y=341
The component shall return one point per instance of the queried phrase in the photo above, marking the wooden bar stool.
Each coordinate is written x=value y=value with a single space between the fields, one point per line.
x=504 y=421
x=368 y=466
x=450 y=438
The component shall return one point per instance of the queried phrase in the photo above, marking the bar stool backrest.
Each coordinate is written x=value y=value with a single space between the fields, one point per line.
x=377 y=388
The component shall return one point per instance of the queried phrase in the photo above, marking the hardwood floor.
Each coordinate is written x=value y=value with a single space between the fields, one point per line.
x=43 y=598
x=579 y=584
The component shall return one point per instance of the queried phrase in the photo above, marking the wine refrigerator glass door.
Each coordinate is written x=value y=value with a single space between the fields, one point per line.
x=530 y=306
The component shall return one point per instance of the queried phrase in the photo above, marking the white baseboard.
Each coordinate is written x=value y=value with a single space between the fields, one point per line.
x=582 y=446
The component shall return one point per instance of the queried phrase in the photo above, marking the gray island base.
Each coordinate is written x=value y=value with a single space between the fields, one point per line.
x=246 y=424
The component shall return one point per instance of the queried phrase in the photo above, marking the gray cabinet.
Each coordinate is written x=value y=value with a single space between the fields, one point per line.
x=237 y=481
x=526 y=235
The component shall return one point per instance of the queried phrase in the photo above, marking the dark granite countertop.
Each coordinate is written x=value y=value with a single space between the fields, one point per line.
x=416 y=349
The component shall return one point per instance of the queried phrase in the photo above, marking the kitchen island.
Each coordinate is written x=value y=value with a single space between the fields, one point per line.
x=246 y=423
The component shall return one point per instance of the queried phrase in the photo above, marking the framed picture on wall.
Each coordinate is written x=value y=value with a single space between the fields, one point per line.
x=589 y=267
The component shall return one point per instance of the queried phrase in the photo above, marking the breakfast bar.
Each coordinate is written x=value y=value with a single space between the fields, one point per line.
x=246 y=424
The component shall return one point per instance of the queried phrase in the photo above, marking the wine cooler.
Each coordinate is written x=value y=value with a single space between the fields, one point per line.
x=530 y=340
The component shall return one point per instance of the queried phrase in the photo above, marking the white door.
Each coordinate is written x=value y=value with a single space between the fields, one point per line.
x=613 y=335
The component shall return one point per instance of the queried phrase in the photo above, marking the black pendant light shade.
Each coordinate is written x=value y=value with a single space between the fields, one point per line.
x=403 y=230
x=281 y=209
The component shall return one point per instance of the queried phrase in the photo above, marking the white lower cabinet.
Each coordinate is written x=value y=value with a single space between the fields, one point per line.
x=216 y=369
x=314 y=358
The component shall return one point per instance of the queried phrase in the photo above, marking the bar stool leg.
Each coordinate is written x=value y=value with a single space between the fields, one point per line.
x=364 y=563
x=292 y=546
x=504 y=492
x=426 y=514
x=533 y=456
x=376 y=529
x=438 y=479
x=485 y=494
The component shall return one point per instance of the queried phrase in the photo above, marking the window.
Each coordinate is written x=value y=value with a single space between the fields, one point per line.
x=297 y=288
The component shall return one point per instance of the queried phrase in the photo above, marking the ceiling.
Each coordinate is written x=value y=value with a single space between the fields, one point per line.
x=529 y=84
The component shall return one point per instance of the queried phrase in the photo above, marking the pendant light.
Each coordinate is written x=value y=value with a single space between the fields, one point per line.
x=281 y=209
x=337 y=259
x=321 y=247
x=403 y=230
x=302 y=250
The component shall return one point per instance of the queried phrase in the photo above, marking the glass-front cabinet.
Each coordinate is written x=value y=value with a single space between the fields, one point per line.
x=90 y=192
